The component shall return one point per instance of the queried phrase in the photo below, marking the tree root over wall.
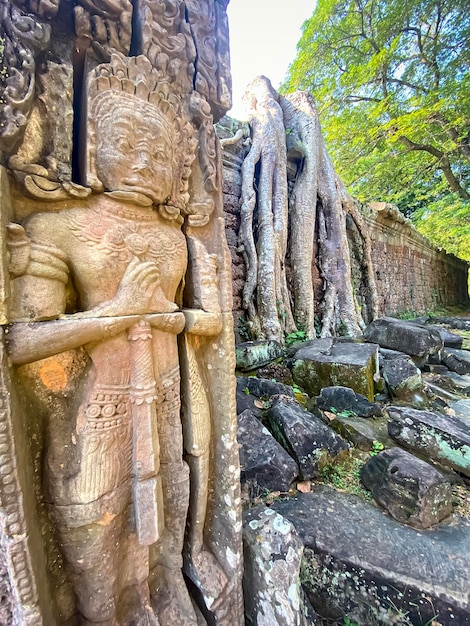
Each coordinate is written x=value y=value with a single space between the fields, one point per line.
x=273 y=226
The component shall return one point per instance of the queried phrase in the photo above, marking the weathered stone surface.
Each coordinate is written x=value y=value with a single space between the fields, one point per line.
x=362 y=432
x=460 y=323
x=435 y=436
x=402 y=376
x=327 y=362
x=273 y=553
x=264 y=463
x=457 y=360
x=277 y=371
x=262 y=387
x=462 y=410
x=253 y=354
x=411 y=490
x=346 y=399
x=363 y=564
x=246 y=400
x=305 y=436
x=449 y=339
x=412 y=339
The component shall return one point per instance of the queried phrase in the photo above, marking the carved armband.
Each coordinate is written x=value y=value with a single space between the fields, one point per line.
x=47 y=261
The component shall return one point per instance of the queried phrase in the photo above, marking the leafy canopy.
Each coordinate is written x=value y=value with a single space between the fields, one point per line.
x=392 y=82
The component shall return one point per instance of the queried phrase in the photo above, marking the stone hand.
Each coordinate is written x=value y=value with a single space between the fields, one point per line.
x=136 y=289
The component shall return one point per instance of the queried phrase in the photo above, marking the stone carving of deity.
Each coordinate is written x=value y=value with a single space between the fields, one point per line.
x=110 y=347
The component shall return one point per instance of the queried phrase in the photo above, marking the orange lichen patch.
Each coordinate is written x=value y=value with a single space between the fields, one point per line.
x=53 y=374
x=106 y=519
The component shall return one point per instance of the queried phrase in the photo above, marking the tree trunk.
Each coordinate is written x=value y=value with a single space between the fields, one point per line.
x=317 y=194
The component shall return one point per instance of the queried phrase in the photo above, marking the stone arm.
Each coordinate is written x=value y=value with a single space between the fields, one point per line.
x=204 y=318
x=40 y=277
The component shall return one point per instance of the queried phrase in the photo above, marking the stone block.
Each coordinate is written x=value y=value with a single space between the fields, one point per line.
x=449 y=339
x=330 y=362
x=253 y=354
x=346 y=399
x=264 y=463
x=402 y=376
x=412 y=339
x=262 y=387
x=457 y=360
x=303 y=435
x=435 y=436
x=273 y=553
x=411 y=490
x=362 y=432
x=361 y=563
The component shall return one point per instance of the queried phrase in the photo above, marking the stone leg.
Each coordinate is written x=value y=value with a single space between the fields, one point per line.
x=169 y=594
x=93 y=553
x=199 y=473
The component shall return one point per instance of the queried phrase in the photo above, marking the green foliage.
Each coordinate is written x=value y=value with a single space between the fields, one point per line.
x=376 y=448
x=348 y=622
x=295 y=337
x=392 y=83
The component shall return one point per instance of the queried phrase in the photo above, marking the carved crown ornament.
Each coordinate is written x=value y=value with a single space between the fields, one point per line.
x=129 y=88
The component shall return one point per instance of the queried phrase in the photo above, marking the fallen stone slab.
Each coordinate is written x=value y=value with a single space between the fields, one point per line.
x=402 y=377
x=247 y=400
x=272 y=553
x=449 y=339
x=361 y=563
x=253 y=354
x=412 y=339
x=459 y=323
x=264 y=464
x=461 y=381
x=457 y=360
x=329 y=362
x=411 y=490
x=362 y=432
x=462 y=410
x=303 y=435
x=346 y=399
x=262 y=387
x=438 y=437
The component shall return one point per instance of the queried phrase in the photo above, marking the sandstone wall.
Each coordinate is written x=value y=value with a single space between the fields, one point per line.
x=411 y=273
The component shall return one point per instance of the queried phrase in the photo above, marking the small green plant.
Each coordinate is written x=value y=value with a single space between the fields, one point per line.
x=343 y=473
x=295 y=337
x=347 y=622
x=246 y=391
x=376 y=448
x=344 y=413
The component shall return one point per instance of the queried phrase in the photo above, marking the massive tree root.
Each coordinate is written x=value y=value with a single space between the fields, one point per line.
x=319 y=203
x=265 y=253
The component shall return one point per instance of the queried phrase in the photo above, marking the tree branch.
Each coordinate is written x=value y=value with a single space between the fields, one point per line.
x=443 y=164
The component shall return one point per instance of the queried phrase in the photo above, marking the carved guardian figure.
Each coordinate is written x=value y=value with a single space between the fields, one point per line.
x=119 y=299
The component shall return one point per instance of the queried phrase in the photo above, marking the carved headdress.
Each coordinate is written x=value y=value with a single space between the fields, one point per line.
x=130 y=78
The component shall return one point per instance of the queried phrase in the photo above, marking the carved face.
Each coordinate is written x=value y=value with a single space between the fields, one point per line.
x=134 y=150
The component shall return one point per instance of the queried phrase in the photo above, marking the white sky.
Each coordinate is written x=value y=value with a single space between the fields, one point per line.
x=263 y=39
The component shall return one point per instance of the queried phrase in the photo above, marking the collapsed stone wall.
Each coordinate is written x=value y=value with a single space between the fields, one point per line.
x=411 y=273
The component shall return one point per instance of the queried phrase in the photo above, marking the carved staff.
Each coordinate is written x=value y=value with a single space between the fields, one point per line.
x=147 y=488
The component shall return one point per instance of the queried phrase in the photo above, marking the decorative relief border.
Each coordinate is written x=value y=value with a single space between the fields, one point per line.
x=13 y=533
